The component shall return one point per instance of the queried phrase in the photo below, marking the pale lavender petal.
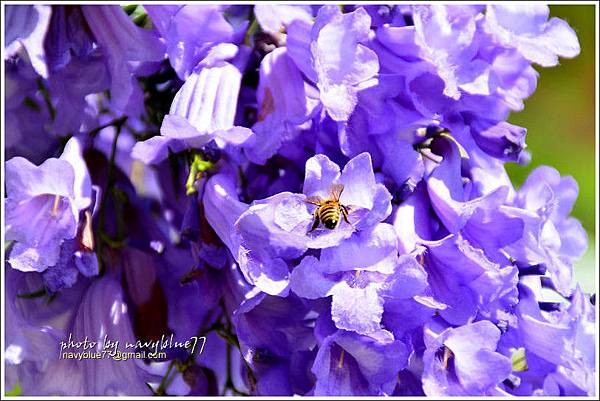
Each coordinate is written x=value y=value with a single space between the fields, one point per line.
x=412 y=221
x=54 y=176
x=283 y=102
x=103 y=312
x=372 y=250
x=321 y=173
x=73 y=153
x=308 y=281
x=298 y=46
x=215 y=109
x=356 y=309
x=26 y=26
x=473 y=368
x=156 y=149
x=26 y=258
x=222 y=208
x=110 y=24
x=446 y=41
x=195 y=120
x=273 y=18
x=189 y=32
x=340 y=72
x=528 y=30
x=408 y=279
x=360 y=189
x=498 y=138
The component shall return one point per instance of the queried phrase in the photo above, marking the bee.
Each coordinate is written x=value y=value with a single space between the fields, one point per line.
x=329 y=211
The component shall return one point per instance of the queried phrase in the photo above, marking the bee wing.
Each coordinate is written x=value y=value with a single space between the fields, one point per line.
x=313 y=200
x=355 y=213
x=336 y=191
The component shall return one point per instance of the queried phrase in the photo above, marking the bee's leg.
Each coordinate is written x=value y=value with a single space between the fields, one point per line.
x=345 y=213
x=316 y=220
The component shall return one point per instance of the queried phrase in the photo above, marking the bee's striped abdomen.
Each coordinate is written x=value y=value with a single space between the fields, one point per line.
x=329 y=214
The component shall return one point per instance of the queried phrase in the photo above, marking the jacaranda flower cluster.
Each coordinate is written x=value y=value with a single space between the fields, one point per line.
x=318 y=192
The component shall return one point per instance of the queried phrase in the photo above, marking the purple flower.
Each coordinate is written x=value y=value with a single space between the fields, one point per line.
x=463 y=360
x=360 y=188
x=286 y=103
x=26 y=114
x=68 y=38
x=361 y=275
x=275 y=18
x=350 y=364
x=190 y=31
x=70 y=86
x=43 y=206
x=35 y=332
x=223 y=208
x=558 y=345
x=457 y=59
x=553 y=238
x=103 y=312
x=275 y=230
x=124 y=58
x=498 y=138
x=446 y=37
x=334 y=57
x=73 y=259
x=25 y=28
x=413 y=222
x=90 y=311
x=203 y=110
x=453 y=198
x=530 y=32
x=74 y=68
x=262 y=325
x=462 y=277
x=401 y=162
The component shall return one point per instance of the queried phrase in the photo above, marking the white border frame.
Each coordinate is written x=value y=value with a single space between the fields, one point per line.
x=235 y=2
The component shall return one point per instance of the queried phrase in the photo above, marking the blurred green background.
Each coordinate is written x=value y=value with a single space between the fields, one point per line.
x=560 y=121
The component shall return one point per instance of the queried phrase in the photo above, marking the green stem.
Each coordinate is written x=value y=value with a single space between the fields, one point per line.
x=162 y=387
x=51 y=298
x=34 y=294
x=223 y=331
x=117 y=122
x=229 y=381
x=32 y=104
x=182 y=366
x=233 y=340
x=112 y=242
x=46 y=96
x=252 y=29
x=238 y=392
